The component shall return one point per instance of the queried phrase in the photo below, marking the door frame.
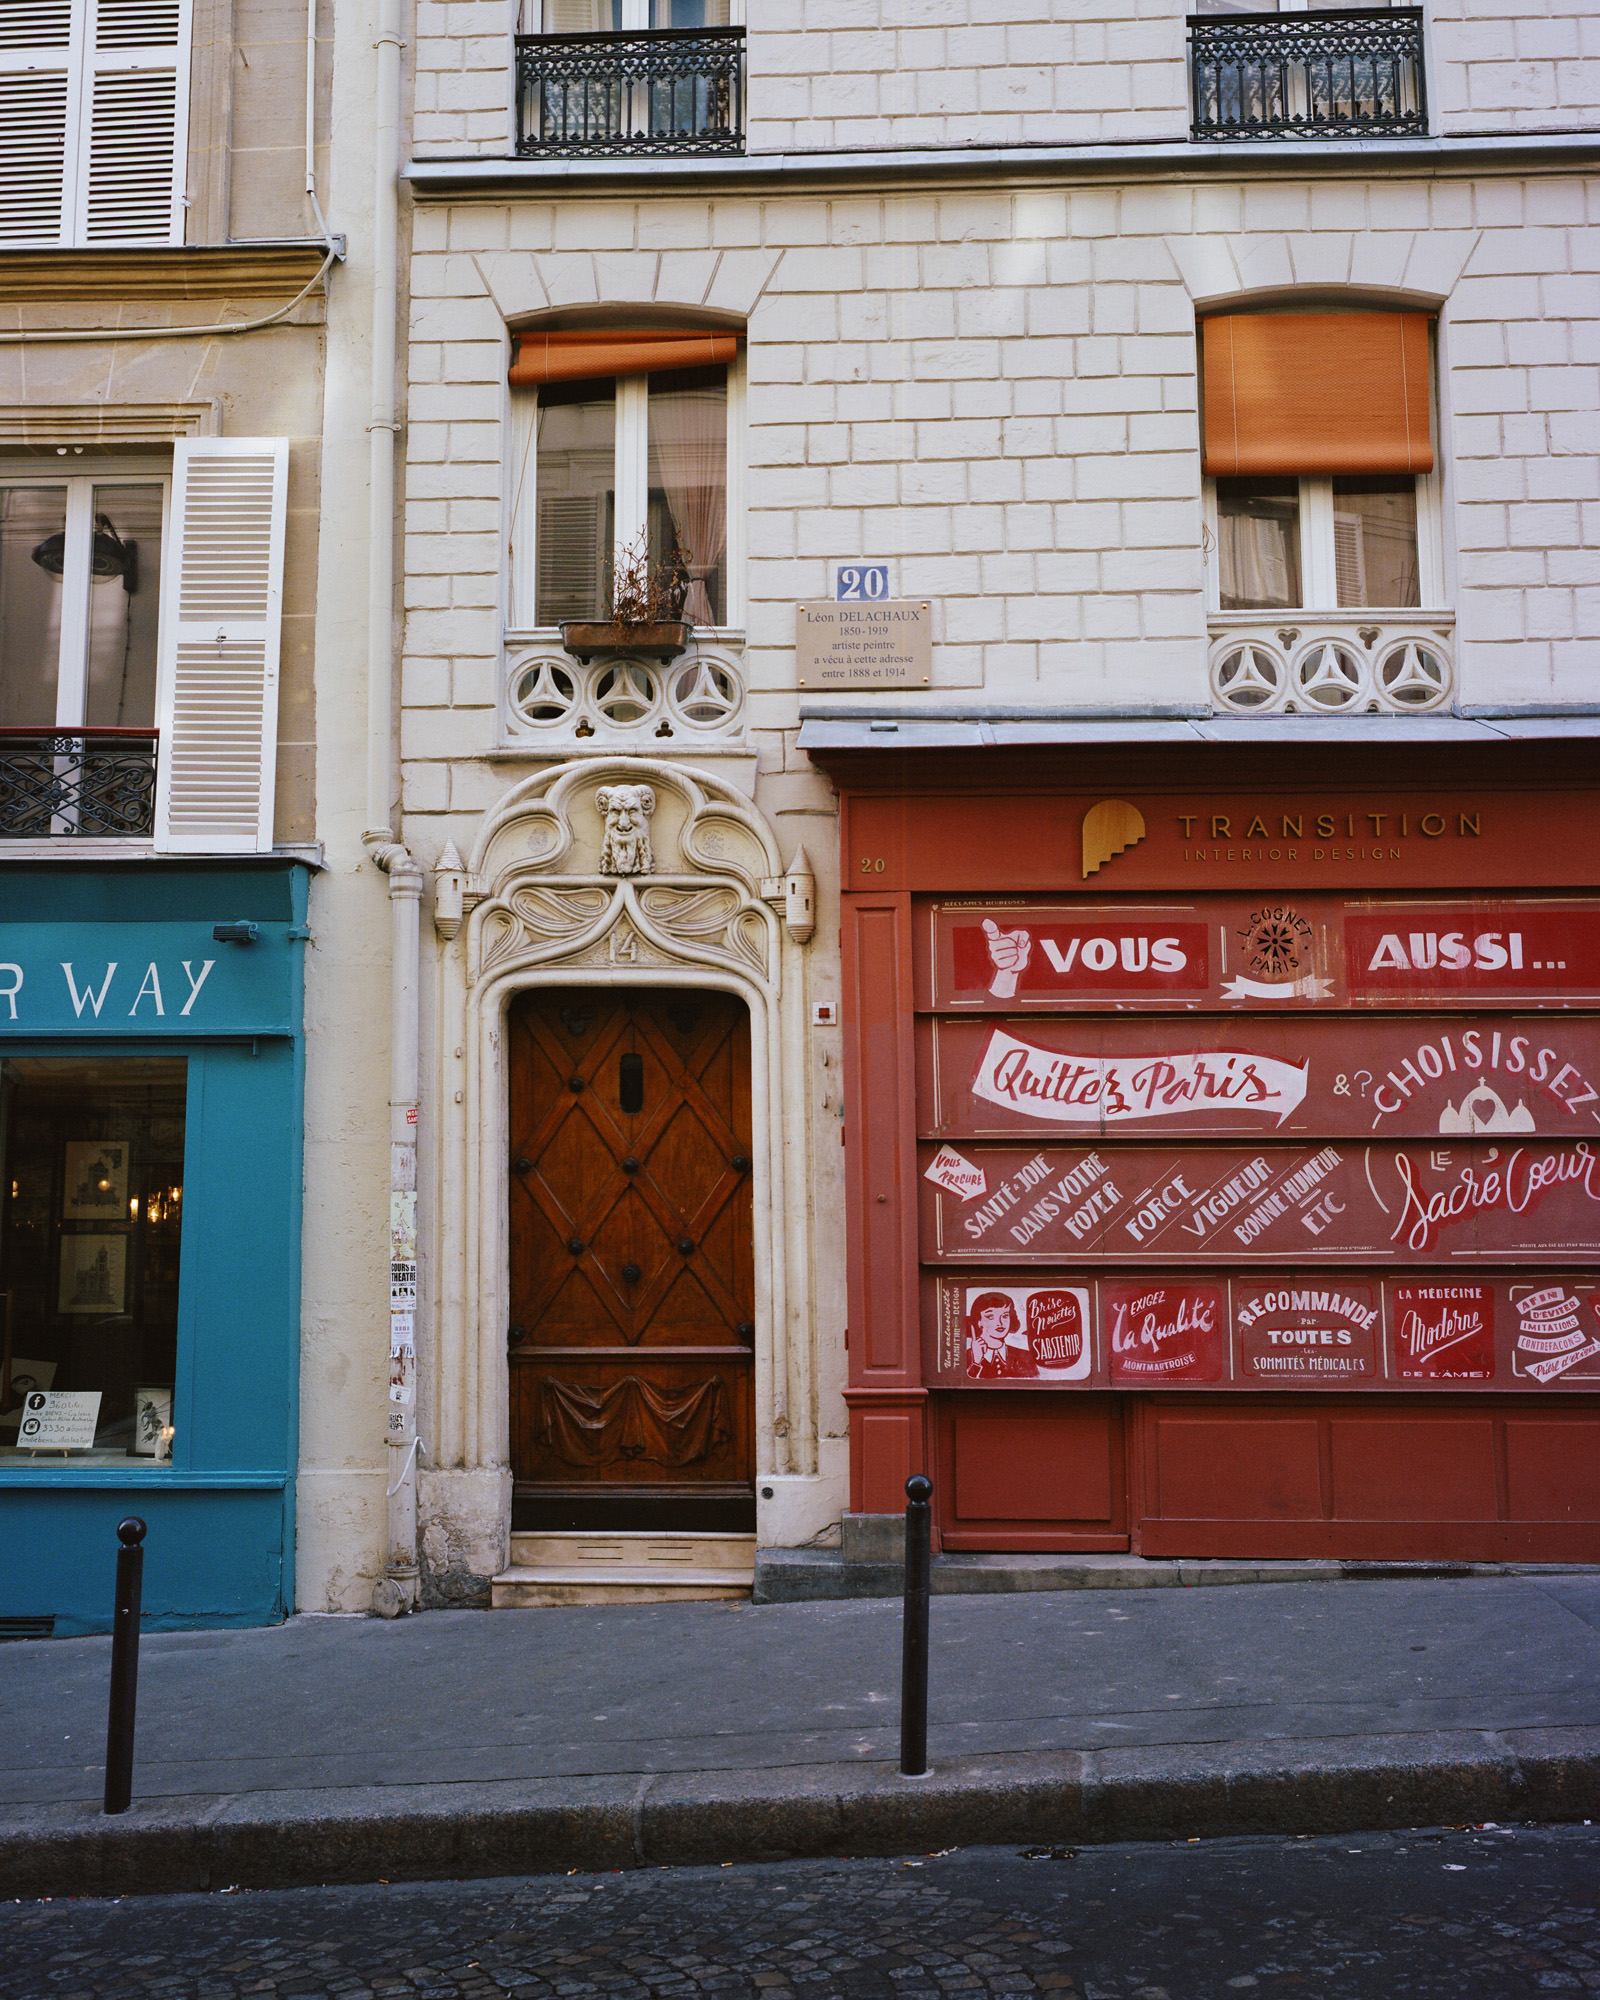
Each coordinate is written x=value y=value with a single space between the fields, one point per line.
x=538 y=914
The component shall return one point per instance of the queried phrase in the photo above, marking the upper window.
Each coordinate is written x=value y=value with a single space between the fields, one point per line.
x=614 y=17
x=631 y=468
x=630 y=77
x=1319 y=448
x=80 y=577
x=94 y=99
x=140 y=612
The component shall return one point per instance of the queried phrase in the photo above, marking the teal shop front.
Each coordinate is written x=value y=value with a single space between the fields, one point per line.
x=151 y=1077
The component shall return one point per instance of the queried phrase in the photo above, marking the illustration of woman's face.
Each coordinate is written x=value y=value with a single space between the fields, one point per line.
x=994 y=1323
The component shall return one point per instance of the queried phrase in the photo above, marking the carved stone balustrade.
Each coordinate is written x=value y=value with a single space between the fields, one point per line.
x=1332 y=663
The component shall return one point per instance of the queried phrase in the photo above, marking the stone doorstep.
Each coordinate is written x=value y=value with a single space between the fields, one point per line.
x=521 y=1589
x=564 y=1548
x=585 y=1568
x=808 y=1575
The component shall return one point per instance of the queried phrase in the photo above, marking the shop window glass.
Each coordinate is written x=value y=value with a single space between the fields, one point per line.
x=80 y=576
x=91 y=1210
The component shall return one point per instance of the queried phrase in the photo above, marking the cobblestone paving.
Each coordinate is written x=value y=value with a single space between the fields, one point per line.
x=1487 y=1914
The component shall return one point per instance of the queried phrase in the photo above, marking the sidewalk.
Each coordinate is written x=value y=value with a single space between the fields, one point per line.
x=476 y=1743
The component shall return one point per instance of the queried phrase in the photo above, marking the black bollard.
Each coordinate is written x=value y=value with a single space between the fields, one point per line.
x=124 y=1664
x=914 y=1649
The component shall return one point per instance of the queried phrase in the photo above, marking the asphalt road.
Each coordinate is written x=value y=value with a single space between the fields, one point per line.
x=1466 y=1914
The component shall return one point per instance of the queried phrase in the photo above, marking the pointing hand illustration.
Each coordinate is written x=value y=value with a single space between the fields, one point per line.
x=1008 y=954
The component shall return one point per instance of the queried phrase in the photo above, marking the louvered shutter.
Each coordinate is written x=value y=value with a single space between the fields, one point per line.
x=568 y=557
x=1349 y=559
x=40 y=80
x=94 y=106
x=221 y=614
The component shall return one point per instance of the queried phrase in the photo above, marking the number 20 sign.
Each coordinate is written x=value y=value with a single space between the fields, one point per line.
x=860 y=582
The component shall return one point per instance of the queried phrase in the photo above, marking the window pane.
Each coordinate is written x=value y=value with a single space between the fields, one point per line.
x=689 y=13
x=124 y=597
x=1258 y=544
x=1375 y=541
x=33 y=528
x=91 y=1202
x=582 y=17
x=689 y=483
x=575 y=477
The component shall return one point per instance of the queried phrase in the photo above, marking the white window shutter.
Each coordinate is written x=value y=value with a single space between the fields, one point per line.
x=94 y=114
x=40 y=71
x=221 y=620
x=134 y=125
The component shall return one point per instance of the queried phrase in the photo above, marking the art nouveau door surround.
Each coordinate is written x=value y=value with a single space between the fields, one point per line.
x=615 y=871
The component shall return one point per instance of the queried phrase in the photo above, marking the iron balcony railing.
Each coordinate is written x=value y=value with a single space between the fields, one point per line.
x=1309 y=76
x=88 y=782
x=676 y=90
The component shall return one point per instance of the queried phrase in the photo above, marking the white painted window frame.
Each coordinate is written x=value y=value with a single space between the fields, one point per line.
x=72 y=666
x=1318 y=587
x=631 y=478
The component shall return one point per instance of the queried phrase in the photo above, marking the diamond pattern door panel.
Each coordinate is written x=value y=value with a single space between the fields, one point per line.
x=632 y=1284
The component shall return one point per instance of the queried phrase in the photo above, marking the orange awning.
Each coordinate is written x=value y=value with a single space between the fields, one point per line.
x=595 y=353
x=1308 y=393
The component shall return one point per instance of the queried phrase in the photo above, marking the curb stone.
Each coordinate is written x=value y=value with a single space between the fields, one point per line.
x=433 y=1832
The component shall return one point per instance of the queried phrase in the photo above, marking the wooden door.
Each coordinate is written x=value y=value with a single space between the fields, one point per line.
x=632 y=1288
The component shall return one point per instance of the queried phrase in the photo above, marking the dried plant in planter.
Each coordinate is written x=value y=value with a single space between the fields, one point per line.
x=645 y=592
x=646 y=609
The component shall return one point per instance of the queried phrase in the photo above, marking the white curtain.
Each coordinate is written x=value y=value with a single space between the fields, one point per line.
x=1254 y=560
x=689 y=462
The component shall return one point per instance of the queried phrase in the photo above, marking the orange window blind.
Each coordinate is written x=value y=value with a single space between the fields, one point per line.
x=597 y=352
x=1309 y=393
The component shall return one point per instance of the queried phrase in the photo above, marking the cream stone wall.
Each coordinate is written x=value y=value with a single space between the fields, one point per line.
x=998 y=391
x=829 y=75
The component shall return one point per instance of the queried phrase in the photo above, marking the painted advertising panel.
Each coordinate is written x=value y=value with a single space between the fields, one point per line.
x=1290 y=842
x=1261 y=952
x=1302 y=1330
x=1332 y=1075
x=1520 y=1202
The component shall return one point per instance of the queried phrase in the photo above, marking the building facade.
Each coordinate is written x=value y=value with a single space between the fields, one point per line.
x=1218 y=395
x=855 y=741
x=180 y=888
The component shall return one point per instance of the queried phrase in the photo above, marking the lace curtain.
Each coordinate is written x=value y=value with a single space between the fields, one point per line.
x=689 y=464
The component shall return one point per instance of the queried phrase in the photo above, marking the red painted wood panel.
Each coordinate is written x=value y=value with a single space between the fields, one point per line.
x=1260 y=1471
x=1424 y=1466
x=1364 y=1481
x=1030 y=1472
x=880 y=1146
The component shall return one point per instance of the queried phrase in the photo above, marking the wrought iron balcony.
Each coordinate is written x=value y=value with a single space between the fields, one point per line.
x=1309 y=76
x=87 y=782
x=675 y=90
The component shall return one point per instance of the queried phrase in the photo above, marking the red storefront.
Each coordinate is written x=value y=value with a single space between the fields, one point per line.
x=1224 y=1147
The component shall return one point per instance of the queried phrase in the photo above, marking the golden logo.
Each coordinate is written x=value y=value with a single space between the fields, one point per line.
x=1107 y=829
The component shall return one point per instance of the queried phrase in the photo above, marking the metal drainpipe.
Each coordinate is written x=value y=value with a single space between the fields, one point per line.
x=396 y=1591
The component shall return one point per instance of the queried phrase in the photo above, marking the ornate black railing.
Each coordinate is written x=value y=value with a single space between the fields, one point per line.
x=678 y=90
x=1308 y=76
x=76 y=781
